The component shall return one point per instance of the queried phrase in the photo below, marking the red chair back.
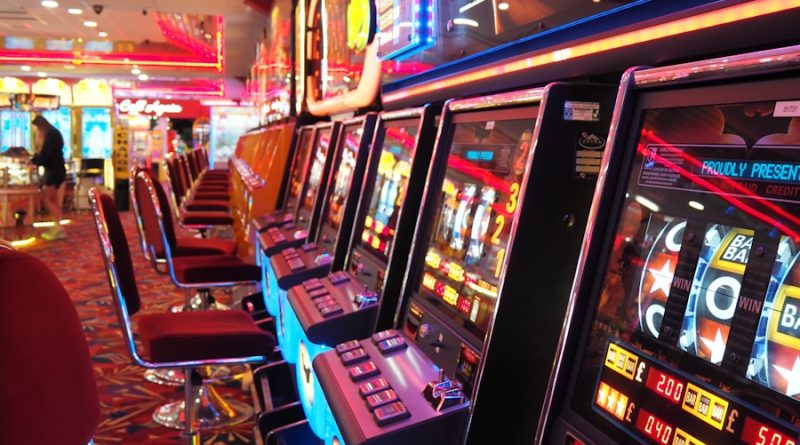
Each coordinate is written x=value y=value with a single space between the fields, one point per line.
x=47 y=384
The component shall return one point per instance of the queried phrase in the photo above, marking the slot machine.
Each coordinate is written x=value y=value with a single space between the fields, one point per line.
x=682 y=327
x=324 y=246
x=308 y=203
x=344 y=304
x=509 y=188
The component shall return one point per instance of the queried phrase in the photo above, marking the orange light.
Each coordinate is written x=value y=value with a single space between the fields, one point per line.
x=731 y=14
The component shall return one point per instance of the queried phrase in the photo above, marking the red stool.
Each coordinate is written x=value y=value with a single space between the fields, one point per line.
x=186 y=340
x=46 y=382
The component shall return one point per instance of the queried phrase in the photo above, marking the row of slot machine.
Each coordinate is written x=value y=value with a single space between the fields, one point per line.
x=509 y=270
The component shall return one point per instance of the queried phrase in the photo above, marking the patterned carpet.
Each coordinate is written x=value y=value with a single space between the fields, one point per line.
x=127 y=401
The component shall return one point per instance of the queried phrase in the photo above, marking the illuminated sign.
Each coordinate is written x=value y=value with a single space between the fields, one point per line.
x=705 y=406
x=404 y=28
x=142 y=106
x=621 y=360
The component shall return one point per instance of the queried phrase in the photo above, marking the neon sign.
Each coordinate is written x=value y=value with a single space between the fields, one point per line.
x=142 y=106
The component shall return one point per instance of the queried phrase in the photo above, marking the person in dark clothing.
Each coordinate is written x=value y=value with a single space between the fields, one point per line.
x=51 y=157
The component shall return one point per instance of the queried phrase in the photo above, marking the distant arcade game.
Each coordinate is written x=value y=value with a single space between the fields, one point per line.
x=684 y=324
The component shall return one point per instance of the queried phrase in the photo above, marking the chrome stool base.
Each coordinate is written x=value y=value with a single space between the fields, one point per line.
x=213 y=412
x=210 y=374
x=165 y=377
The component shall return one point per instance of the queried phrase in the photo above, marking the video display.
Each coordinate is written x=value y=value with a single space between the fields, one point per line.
x=96 y=133
x=477 y=206
x=698 y=316
x=323 y=142
x=342 y=174
x=62 y=120
x=388 y=191
x=304 y=147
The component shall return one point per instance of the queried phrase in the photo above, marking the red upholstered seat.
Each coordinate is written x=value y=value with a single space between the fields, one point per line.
x=206 y=218
x=207 y=205
x=202 y=335
x=214 y=269
x=47 y=385
x=203 y=246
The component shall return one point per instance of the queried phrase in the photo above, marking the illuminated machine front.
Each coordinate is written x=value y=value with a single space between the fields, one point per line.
x=293 y=193
x=488 y=209
x=309 y=203
x=685 y=322
x=344 y=304
x=338 y=201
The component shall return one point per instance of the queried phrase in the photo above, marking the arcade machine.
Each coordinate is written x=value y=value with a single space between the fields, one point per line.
x=309 y=203
x=344 y=305
x=327 y=247
x=493 y=251
x=683 y=323
x=337 y=201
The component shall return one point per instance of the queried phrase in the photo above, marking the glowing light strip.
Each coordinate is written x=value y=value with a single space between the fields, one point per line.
x=12 y=59
x=23 y=242
x=41 y=224
x=731 y=14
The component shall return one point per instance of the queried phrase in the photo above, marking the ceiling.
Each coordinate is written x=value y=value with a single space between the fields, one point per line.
x=131 y=21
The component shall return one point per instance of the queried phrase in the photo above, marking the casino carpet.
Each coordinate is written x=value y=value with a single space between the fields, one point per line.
x=127 y=400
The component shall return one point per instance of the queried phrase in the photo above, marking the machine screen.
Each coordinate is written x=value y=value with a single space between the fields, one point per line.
x=694 y=338
x=304 y=146
x=388 y=191
x=474 y=213
x=342 y=174
x=323 y=141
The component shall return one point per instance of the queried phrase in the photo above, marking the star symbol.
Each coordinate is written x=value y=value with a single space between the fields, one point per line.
x=662 y=278
x=717 y=347
x=792 y=377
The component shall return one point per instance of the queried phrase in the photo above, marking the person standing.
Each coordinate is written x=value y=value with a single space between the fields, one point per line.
x=51 y=157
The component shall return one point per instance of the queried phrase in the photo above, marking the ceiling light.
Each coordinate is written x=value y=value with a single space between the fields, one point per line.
x=41 y=74
x=696 y=205
x=75 y=11
x=653 y=207
x=25 y=68
x=50 y=4
x=69 y=67
x=143 y=77
x=503 y=6
x=102 y=34
x=136 y=71
x=90 y=24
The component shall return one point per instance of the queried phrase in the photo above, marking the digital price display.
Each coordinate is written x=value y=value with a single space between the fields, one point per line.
x=635 y=401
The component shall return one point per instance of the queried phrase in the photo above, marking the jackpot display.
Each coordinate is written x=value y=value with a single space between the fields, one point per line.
x=695 y=334
x=475 y=211
x=388 y=190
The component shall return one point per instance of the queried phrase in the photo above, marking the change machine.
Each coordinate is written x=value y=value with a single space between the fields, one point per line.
x=684 y=325
x=494 y=251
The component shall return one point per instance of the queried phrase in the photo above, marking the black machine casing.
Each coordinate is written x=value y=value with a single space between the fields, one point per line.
x=287 y=206
x=754 y=78
x=367 y=271
x=514 y=360
x=327 y=246
x=294 y=234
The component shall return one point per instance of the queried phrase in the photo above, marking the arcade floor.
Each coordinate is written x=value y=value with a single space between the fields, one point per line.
x=126 y=399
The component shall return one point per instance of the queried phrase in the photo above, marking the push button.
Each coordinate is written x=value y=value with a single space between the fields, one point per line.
x=391 y=413
x=391 y=345
x=372 y=386
x=318 y=293
x=330 y=311
x=347 y=346
x=382 y=398
x=363 y=371
x=354 y=356
x=338 y=277
x=307 y=247
x=384 y=335
x=312 y=284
